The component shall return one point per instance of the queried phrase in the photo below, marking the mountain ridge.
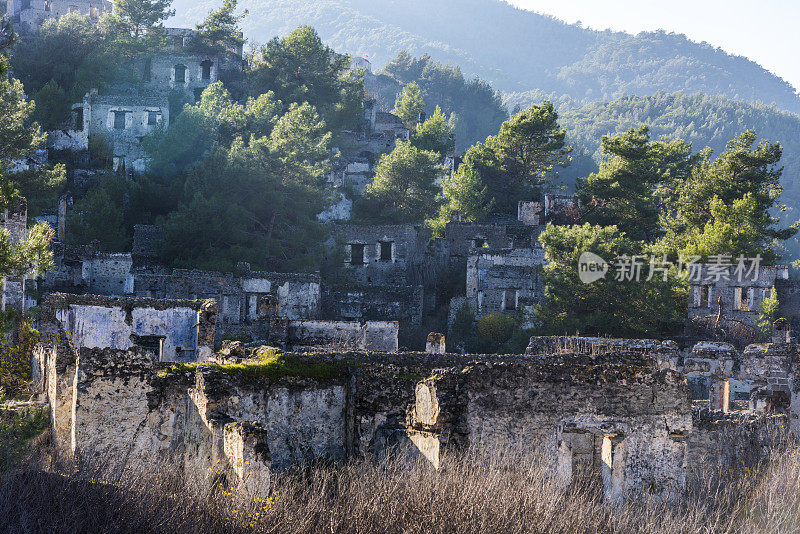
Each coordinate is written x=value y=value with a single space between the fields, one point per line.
x=517 y=50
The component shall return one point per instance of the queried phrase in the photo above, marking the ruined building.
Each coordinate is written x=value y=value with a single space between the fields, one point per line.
x=29 y=15
x=173 y=330
x=124 y=114
x=382 y=274
x=212 y=420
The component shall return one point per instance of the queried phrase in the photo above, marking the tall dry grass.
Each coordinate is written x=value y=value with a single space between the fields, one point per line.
x=508 y=492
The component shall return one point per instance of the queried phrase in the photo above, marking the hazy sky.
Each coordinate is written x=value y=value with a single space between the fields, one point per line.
x=766 y=31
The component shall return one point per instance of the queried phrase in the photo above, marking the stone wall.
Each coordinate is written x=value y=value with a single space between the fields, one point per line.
x=298 y=295
x=740 y=296
x=720 y=441
x=373 y=335
x=618 y=418
x=189 y=73
x=460 y=238
x=123 y=119
x=505 y=280
x=30 y=14
x=173 y=330
x=374 y=302
x=382 y=255
x=84 y=269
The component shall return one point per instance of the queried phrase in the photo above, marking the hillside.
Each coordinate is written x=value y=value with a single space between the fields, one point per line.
x=700 y=119
x=518 y=50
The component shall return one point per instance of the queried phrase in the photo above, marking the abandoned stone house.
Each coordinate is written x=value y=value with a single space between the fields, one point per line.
x=87 y=271
x=121 y=119
x=173 y=330
x=297 y=296
x=504 y=280
x=383 y=273
x=126 y=113
x=29 y=15
x=736 y=297
x=189 y=73
x=469 y=401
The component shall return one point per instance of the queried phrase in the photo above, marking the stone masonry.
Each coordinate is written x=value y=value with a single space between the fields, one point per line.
x=616 y=418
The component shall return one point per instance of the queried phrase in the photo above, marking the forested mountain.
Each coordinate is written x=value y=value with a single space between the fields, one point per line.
x=515 y=50
x=699 y=119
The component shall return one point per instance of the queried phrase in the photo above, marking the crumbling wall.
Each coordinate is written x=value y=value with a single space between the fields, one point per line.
x=546 y=404
x=336 y=405
x=372 y=335
x=722 y=441
x=172 y=330
x=507 y=280
x=32 y=15
x=401 y=303
x=382 y=255
x=739 y=294
x=84 y=269
x=298 y=295
x=123 y=120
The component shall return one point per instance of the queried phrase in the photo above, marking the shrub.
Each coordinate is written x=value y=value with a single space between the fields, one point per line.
x=498 y=327
x=16 y=360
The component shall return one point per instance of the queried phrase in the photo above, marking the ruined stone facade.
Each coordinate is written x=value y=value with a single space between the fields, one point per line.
x=122 y=119
x=29 y=15
x=383 y=273
x=298 y=295
x=383 y=254
x=737 y=297
x=504 y=281
x=368 y=302
x=172 y=330
x=616 y=419
x=85 y=270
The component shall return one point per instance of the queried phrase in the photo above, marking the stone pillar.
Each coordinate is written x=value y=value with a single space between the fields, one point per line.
x=246 y=451
x=435 y=344
x=62 y=218
x=781 y=332
x=719 y=394
x=206 y=325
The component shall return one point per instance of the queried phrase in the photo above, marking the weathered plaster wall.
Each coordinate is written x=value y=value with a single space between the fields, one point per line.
x=708 y=289
x=173 y=330
x=366 y=404
x=401 y=303
x=372 y=335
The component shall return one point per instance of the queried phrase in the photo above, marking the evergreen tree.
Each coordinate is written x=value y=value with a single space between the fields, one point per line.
x=464 y=192
x=300 y=68
x=435 y=134
x=220 y=31
x=520 y=160
x=258 y=184
x=140 y=16
x=31 y=255
x=724 y=206
x=624 y=192
x=622 y=308
x=404 y=189
x=409 y=105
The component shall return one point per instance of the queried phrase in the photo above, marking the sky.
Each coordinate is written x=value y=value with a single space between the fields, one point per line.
x=765 y=31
